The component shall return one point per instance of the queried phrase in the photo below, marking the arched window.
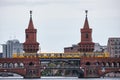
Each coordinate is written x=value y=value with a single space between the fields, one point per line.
x=115 y=64
x=112 y=64
x=88 y=63
x=103 y=64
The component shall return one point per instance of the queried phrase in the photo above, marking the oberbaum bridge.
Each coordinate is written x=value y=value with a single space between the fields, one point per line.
x=80 y=59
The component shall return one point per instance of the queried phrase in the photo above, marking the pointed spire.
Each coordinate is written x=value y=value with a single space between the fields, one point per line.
x=86 y=11
x=30 y=26
x=86 y=25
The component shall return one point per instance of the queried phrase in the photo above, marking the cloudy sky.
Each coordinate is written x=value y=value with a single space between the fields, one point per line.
x=58 y=22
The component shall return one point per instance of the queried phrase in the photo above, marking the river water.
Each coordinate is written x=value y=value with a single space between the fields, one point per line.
x=58 y=78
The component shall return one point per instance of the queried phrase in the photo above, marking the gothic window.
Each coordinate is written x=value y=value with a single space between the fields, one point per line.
x=31 y=64
x=86 y=35
x=88 y=63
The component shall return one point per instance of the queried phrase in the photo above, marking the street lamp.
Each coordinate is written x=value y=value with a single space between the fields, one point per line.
x=81 y=72
x=82 y=69
x=103 y=70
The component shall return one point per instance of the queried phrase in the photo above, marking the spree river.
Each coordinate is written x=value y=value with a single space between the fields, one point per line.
x=58 y=78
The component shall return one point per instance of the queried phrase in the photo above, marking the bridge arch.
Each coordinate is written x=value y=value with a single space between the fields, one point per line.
x=103 y=64
x=107 y=64
x=5 y=65
x=97 y=63
x=103 y=74
x=13 y=73
x=10 y=65
x=1 y=65
x=15 y=65
x=118 y=64
x=21 y=65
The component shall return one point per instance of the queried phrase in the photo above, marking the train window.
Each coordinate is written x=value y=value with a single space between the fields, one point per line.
x=64 y=55
x=55 y=55
x=48 y=54
x=41 y=54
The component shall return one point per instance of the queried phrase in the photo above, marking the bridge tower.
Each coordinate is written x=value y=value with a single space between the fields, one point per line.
x=31 y=45
x=86 y=44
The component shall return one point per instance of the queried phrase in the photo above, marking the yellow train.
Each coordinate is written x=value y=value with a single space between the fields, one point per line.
x=62 y=55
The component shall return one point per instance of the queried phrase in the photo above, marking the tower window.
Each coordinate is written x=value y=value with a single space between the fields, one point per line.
x=86 y=35
x=26 y=35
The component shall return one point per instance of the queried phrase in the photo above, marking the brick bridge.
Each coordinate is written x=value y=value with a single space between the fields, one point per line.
x=97 y=67
x=26 y=67
x=30 y=67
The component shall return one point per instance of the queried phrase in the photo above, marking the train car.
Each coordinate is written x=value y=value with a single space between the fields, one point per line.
x=62 y=55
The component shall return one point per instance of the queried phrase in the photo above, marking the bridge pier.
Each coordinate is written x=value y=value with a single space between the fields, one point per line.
x=32 y=73
x=91 y=72
x=33 y=69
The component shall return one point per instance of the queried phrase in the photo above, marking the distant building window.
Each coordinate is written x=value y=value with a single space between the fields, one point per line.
x=71 y=48
x=115 y=47
x=115 y=52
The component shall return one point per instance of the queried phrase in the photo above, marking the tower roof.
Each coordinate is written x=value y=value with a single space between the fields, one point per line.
x=30 y=26
x=86 y=25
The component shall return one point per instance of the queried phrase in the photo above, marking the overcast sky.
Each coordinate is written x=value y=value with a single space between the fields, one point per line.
x=58 y=22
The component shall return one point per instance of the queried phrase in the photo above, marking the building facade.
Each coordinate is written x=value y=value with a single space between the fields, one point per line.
x=11 y=47
x=99 y=48
x=1 y=55
x=86 y=44
x=113 y=47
